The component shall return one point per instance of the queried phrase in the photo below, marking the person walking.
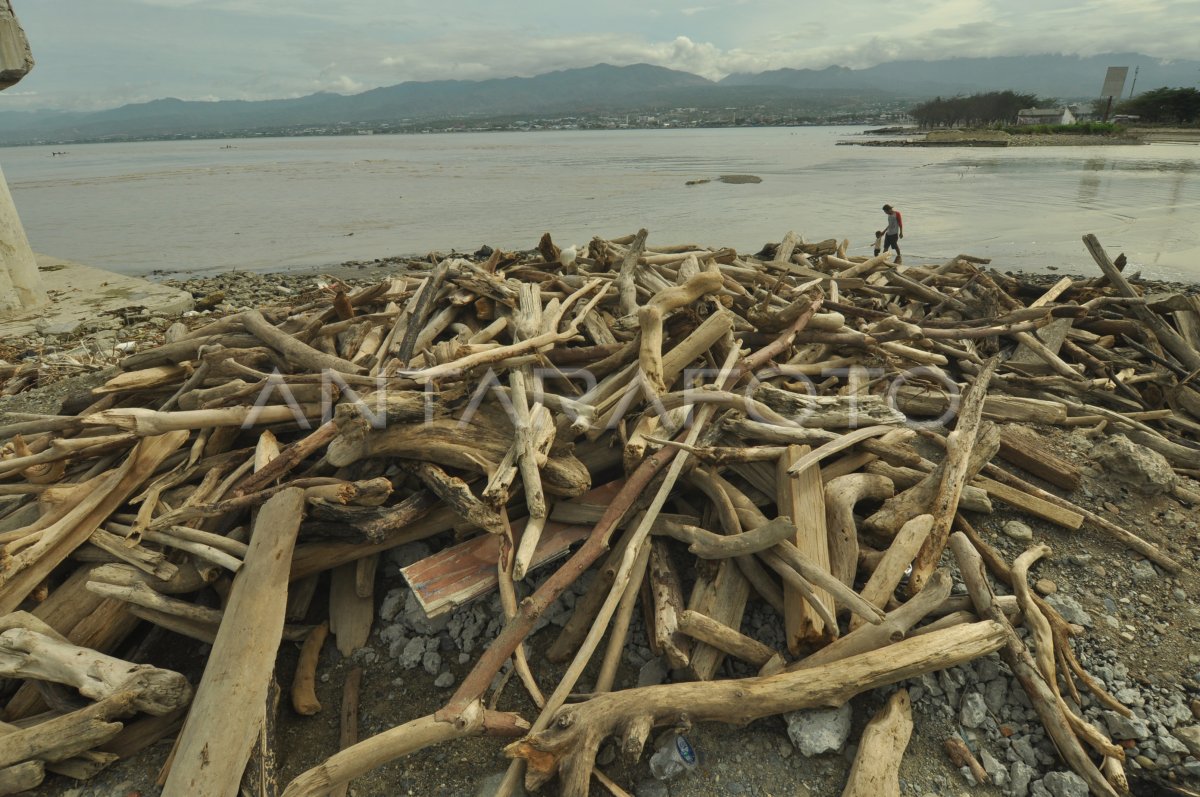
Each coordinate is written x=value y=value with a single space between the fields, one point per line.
x=894 y=231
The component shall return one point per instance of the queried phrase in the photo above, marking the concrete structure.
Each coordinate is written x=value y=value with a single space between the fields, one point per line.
x=19 y=283
x=1045 y=116
x=15 y=57
x=81 y=298
x=72 y=297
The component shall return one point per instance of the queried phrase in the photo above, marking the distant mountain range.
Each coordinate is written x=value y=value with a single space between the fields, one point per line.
x=600 y=89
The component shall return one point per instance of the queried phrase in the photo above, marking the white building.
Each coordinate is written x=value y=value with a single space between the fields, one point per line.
x=1045 y=116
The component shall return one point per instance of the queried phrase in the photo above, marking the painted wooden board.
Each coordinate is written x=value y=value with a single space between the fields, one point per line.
x=466 y=571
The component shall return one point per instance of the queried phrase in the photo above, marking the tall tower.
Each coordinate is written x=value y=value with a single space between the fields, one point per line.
x=1114 y=85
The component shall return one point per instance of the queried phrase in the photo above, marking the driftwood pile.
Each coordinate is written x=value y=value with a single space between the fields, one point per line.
x=696 y=427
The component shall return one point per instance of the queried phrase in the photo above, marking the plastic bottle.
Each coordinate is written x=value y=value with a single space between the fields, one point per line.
x=674 y=757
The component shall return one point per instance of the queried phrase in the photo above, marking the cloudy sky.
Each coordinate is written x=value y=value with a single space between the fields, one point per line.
x=95 y=54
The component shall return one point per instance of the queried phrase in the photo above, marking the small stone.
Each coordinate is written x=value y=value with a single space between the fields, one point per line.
x=1144 y=572
x=1145 y=471
x=1070 y=609
x=1045 y=586
x=1171 y=746
x=392 y=604
x=652 y=673
x=1111 y=507
x=1144 y=762
x=432 y=662
x=996 y=771
x=444 y=681
x=1190 y=736
x=987 y=668
x=819 y=731
x=1128 y=696
x=1122 y=727
x=1065 y=784
x=1019 y=775
x=1196 y=711
x=1176 y=713
x=413 y=652
x=1023 y=748
x=995 y=694
x=974 y=710
x=1018 y=530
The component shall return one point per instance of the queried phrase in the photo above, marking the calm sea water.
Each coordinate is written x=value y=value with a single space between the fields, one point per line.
x=277 y=203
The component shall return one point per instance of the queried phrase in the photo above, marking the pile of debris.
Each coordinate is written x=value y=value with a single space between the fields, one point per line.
x=692 y=429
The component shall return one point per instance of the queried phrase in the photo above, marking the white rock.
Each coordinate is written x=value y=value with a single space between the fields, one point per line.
x=819 y=731
x=1018 y=530
x=1142 y=469
x=974 y=710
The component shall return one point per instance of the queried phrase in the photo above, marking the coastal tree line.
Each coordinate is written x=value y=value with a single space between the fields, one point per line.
x=993 y=107
x=1162 y=105
x=1172 y=106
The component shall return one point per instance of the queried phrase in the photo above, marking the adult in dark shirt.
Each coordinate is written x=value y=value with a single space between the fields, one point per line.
x=894 y=231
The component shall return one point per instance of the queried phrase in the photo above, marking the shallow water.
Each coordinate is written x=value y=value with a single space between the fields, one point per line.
x=277 y=203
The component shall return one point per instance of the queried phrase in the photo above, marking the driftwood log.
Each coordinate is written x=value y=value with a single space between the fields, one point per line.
x=216 y=743
x=570 y=746
x=876 y=768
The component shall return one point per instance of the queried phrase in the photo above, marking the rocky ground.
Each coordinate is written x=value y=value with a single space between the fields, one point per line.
x=1140 y=630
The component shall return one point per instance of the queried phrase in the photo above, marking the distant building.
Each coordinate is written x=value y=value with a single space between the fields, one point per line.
x=1045 y=116
x=1083 y=114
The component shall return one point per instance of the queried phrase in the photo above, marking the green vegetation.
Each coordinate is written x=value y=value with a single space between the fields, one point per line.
x=1172 y=106
x=993 y=107
x=1077 y=129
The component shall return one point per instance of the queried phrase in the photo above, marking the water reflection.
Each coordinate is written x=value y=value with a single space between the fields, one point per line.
x=1089 y=183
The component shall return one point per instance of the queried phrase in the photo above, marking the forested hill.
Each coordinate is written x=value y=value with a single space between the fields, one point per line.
x=600 y=89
